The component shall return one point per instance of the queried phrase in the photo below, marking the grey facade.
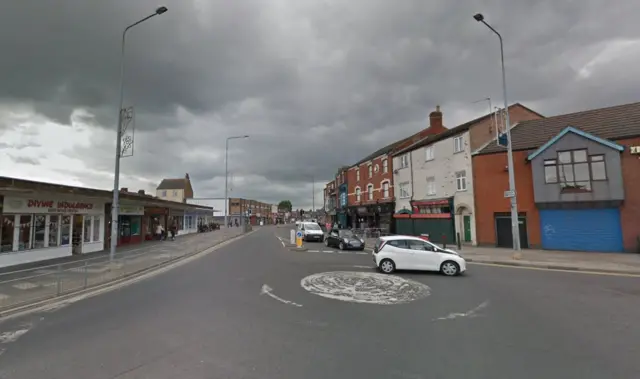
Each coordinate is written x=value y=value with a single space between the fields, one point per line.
x=598 y=189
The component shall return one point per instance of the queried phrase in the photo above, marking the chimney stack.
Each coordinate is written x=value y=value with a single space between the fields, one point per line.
x=187 y=176
x=435 y=121
x=124 y=189
x=141 y=192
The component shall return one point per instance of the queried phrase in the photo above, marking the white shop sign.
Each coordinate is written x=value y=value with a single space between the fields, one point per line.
x=131 y=210
x=47 y=205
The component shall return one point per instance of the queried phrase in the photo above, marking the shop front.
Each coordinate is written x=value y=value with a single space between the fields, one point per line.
x=131 y=225
x=374 y=216
x=47 y=226
x=154 y=216
x=190 y=223
x=428 y=217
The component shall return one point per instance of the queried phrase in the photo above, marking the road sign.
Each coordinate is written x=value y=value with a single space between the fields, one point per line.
x=503 y=140
x=299 y=239
x=299 y=234
x=509 y=194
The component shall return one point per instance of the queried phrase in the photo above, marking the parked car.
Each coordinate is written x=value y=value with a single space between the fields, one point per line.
x=392 y=253
x=344 y=239
x=311 y=231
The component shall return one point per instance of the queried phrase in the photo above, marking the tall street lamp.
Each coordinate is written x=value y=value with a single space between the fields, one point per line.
x=515 y=229
x=226 y=177
x=115 y=206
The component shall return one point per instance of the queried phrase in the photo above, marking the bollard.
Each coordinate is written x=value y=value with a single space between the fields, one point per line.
x=444 y=241
x=459 y=242
x=293 y=237
x=59 y=281
x=86 y=265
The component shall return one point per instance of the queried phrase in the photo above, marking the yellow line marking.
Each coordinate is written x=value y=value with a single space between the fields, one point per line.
x=558 y=270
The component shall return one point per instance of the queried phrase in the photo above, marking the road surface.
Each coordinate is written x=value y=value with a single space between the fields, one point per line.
x=242 y=312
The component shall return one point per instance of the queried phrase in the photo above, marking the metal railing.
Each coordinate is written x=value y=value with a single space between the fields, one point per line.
x=22 y=287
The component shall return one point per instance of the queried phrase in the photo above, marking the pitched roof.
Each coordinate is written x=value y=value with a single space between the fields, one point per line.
x=612 y=123
x=384 y=150
x=571 y=129
x=453 y=131
x=171 y=184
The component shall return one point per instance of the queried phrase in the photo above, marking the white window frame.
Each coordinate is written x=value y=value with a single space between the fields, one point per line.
x=429 y=153
x=370 y=170
x=358 y=194
x=385 y=166
x=461 y=180
x=404 y=160
x=385 y=190
x=458 y=144
x=431 y=186
x=405 y=191
x=369 y=191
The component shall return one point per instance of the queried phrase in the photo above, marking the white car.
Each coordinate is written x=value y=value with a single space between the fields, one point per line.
x=413 y=253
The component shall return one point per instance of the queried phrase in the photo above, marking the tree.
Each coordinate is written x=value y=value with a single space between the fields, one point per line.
x=285 y=205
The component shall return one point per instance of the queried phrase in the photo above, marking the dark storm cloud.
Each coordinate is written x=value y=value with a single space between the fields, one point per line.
x=316 y=84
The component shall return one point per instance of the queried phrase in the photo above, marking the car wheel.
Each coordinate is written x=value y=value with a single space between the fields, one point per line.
x=387 y=266
x=341 y=246
x=450 y=268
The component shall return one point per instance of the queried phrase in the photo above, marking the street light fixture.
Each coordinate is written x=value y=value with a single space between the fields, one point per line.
x=226 y=177
x=115 y=206
x=515 y=228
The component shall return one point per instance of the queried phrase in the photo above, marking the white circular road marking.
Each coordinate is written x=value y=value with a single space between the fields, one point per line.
x=365 y=287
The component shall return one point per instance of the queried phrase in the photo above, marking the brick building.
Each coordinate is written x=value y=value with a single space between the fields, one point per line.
x=576 y=176
x=258 y=211
x=178 y=190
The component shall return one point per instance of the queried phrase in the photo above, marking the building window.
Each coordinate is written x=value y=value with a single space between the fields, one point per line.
x=96 y=228
x=404 y=161
x=65 y=231
x=550 y=171
x=24 y=234
x=404 y=190
x=458 y=144
x=385 y=166
x=357 y=175
x=370 y=171
x=6 y=233
x=175 y=193
x=54 y=231
x=164 y=193
x=358 y=194
x=370 y=191
x=39 y=227
x=598 y=169
x=573 y=170
x=431 y=186
x=385 y=190
x=461 y=180
x=429 y=153
x=87 y=229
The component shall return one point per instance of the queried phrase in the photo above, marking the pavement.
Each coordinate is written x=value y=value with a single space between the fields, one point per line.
x=623 y=263
x=257 y=309
x=36 y=283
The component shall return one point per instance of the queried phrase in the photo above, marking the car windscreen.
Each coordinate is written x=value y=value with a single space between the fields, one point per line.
x=346 y=233
x=312 y=227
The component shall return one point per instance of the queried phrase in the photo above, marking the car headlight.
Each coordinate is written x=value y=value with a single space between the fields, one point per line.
x=345 y=240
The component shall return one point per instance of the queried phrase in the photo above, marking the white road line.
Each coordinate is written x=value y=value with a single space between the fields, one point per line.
x=24 y=286
x=7 y=337
x=471 y=313
x=3 y=296
x=266 y=290
x=315 y=251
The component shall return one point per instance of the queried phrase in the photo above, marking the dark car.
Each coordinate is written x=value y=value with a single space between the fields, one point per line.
x=344 y=239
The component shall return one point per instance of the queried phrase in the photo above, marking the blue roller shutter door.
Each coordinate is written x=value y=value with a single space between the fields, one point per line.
x=581 y=229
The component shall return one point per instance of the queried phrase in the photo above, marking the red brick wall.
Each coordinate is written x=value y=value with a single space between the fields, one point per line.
x=376 y=179
x=490 y=180
x=630 y=211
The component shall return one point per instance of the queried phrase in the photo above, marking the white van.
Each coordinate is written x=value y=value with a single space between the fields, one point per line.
x=311 y=231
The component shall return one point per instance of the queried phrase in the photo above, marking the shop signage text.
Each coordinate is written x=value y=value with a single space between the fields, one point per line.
x=634 y=149
x=34 y=205
x=131 y=210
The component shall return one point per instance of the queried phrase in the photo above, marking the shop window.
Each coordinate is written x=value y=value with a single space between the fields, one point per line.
x=97 y=223
x=6 y=233
x=24 y=236
x=65 y=231
x=39 y=227
x=54 y=230
x=87 y=229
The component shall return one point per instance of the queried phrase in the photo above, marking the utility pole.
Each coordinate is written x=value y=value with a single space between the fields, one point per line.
x=313 y=194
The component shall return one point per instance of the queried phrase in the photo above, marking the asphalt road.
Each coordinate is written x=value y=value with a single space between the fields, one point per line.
x=208 y=319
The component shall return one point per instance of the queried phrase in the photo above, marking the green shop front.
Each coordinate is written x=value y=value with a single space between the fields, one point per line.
x=428 y=217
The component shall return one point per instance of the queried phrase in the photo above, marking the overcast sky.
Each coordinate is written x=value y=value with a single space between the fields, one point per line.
x=316 y=83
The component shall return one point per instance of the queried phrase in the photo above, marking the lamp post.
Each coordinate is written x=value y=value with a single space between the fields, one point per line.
x=226 y=177
x=515 y=229
x=115 y=205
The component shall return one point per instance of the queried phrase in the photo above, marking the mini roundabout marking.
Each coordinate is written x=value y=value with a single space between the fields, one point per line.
x=365 y=287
